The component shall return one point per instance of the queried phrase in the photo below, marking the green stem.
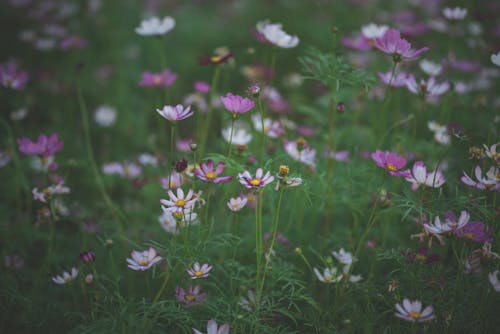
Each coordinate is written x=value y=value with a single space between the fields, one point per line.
x=164 y=285
x=213 y=89
x=231 y=136
x=261 y=110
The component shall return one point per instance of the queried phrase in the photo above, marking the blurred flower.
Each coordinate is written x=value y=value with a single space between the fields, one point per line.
x=372 y=31
x=274 y=33
x=456 y=13
x=87 y=256
x=4 y=158
x=212 y=328
x=127 y=169
x=155 y=27
x=147 y=159
x=421 y=256
x=180 y=202
x=207 y=173
x=44 y=146
x=348 y=277
x=430 y=68
x=412 y=311
x=181 y=165
x=237 y=104
x=495 y=59
x=19 y=114
x=400 y=49
x=198 y=271
x=249 y=303
x=176 y=180
x=398 y=80
x=236 y=204
x=440 y=132
x=46 y=193
x=89 y=279
x=272 y=128
x=12 y=77
x=491 y=182
x=202 y=87
x=329 y=275
x=300 y=151
x=66 y=277
x=171 y=222
x=260 y=180
x=475 y=231
x=143 y=260
x=391 y=162
x=241 y=134
x=427 y=88
x=419 y=176
x=73 y=42
x=493 y=278
x=192 y=296
x=158 y=80
x=342 y=156
x=105 y=115
x=175 y=113
x=344 y=257
x=491 y=152
x=215 y=60
x=13 y=261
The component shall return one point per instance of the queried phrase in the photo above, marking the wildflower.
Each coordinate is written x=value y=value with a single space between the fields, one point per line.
x=340 y=107
x=158 y=80
x=419 y=176
x=329 y=275
x=272 y=128
x=493 y=278
x=181 y=165
x=427 y=88
x=248 y=303
x=175 y=113
x=11 y=77
x=89 y=279
x=495 y=59
x=491 y=152
x=127 y=169
x=176 y=180
x=344 y=257
x=237 y=104
x=398 y=80
x=440 y=132
x=13 y=261
x=44 y=195
x=274 y=33
x=393 y=285
x=179 y=202
x=421 y=256
x=372 y=31
x=260 y=180
x=342 y=156
x=212 y=328
x=66 y=277
x=241 y=135
x=400 y=49
x=207 y=173
x=143 y=260
x=346 y=276
x=147 y=159
x=453 y=222
x=198 y=271
x=155 y=27
x=491 y=182
x=475 y=231
x=201 y=87
x=73 y=42
x=215 y=60
x=236 y=204
x=437 y=227
x=105 y=115
x=171 y=222
x=391 y=162
x=454 y=14
x=44 y=146
x=430 y=68
x=192 y=296
x=412 y=311
x=300 y=151
x=87 y=256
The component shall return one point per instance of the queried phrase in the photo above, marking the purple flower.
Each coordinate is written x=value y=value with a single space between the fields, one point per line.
x=175 y=113
x=202 y=87
x=400 y=49
x=237 y=104
x=491 y=182
x=390 y=162
x=44 y=146
x=419 y=176
x=428 y=88
x=192 y=296
x=476 y=232
x=87 y=256
x=398 y=80
x=421 y=256
x=158 y=80
x=11 y=77
x=342 y=156
x=207 y=173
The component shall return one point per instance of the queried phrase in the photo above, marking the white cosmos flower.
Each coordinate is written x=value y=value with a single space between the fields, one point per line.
x=430 y=68
x=105 y=115
x=344 y=257
x=372 y=30
x=493 y=277
x=412 y=311
x=66 y=277
x=275 y=34
x=456 y=13
x=154 y=26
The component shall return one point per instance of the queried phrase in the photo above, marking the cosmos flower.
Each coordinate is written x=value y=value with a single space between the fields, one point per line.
x=495 y=58
x=344 y=257
x=398 y=80
x=249 y=303
x=198 y=271
x=143 y=260
x=105 y=115
x=400 y=49
x=236 y=204
x=207 y=173
x=329 y=275
x=172 y=222
x=66 y=277
x=274 y=33
x=127 y=169
x=176 y=180
x=491 y=152
x=372 y=31
x=237 y=104
x=348 y=277
x=260 y=180
x=430 y=68
x=419 y=176
x=493 y=278
x=301 y=151
x=475 y=231
x=441 y=134
x=155 y=27
x=44 y=195
x=241 y=134
x=190 y=297
x=175 y=113
x=11 y=77
x=44 y=146
x=427 y=88
x=216 y=59
x=491 y=182
x=158 y=80
x=180 y=202
x=455 y=14
x=421 y=256
x=272 y=128
x=412 y=311
x=212 y=328
x=391 y=162
x=73 y=42
x=87 y=256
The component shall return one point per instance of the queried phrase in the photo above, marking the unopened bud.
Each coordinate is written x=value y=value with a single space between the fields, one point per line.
x=193 y=147
x=298 y=250
x=89 y=279
x=340 y=107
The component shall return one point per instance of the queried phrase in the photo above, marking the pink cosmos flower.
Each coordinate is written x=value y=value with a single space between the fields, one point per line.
x=400 y=49
x=390 y=162
x=201 y=87
x=198 y=271
x=212 y=328
x=143 y=260
x=428 y=88
x=158 y=80
x=419 y=176
x=207 y=173
x=190 y=297
x=342 y=156
x=236 y=204
x=476 y=232
x=491 y=182
x=44 y=146
x=260 y=180
x=237 y=104
x=11 y=77
x=398 y=80
x=175 y=113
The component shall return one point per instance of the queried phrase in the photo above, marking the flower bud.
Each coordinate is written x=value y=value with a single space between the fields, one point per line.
x=89 y=279
x=340 y=107
x=87 y=256
x=283 y=171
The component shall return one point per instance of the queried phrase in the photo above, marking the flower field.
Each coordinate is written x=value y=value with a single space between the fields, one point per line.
x=250 y=166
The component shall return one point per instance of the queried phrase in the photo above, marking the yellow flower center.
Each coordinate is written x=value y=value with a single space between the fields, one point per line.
x=190 y=297
x=255 y=182
x=68 y=279
x=328 y=278
x=157 y=80
x=469 y=236
x=177 y=215
x=143 y=262
x=415 y=315
x=420 y=257
x=391 y=167
x=210 y=175
x=198 y=273
x=215 y=59
x=180 y=202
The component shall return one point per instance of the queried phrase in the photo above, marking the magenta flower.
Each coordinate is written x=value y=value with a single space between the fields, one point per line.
x=175 y=113
x=44 y=146
x=198 y=271
x=476 y=232
x=390 y=162
x=421 y=256
x=237 y=104
x=192 y=296
x=400 y=49
x=202 y=87
x=427 y=88
x=491 y=182
x=158 y=80
x=419 y=176
x=260 y=180
x=11 y=77
x=207 y=173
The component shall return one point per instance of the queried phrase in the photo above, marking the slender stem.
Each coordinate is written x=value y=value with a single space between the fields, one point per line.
x=213 y=89
x=172 y=152
x=258 y=244
x=164 y=285
x=231 y=136
x=261 y=110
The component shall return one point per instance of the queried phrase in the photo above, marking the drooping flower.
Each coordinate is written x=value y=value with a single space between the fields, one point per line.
x=455 y=14
x=175 y=113
x=236 y=204
x=155 y=27
x=158 y=80
x=491 y=182
x=212 y=328
x=391 y=162
x=190 y=297
x=274 y=34
x=493 y=278
x=237 y=104
x=44 y=146
x=180 y=202
x=400 y=49
x=143 y=260
x=476 y=232
x=427 y=88
x=329 y=275
x=198 y=271
x=301 y=151
x=66 y=277
x=260 y=180
x=412 y=311
x=11 y=77
x=419 y=176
